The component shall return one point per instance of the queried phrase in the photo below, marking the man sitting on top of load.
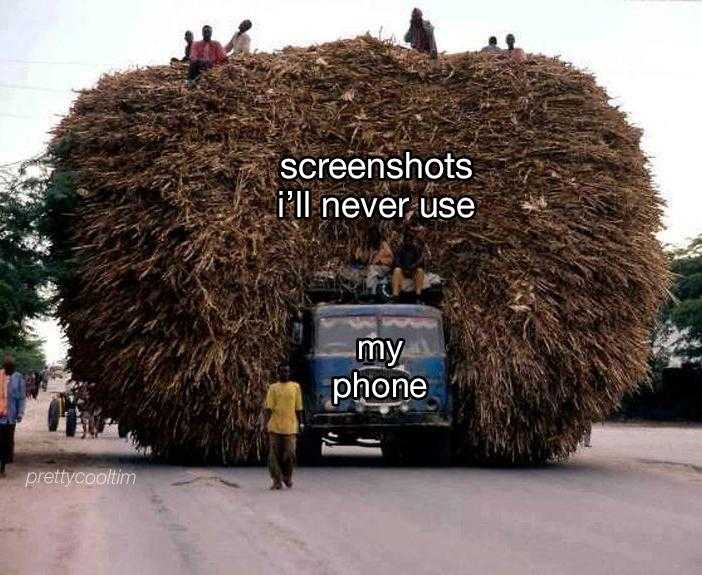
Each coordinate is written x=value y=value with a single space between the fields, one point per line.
x=240 y=42
x=377 y=256
x=514 y=53
x=205 y=54
x=409 y=263
x=421 y=34
x=492 y=47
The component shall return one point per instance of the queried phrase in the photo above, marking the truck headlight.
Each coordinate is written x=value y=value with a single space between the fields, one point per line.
x=433 y=403
x=329 y=406
x=405 y=407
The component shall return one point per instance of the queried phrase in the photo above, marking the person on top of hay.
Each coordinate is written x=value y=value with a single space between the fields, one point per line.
x=12 y=401
x=205 y=54
x=377 y=256
x=514 y=53
x=240 y=42
x=492 y=47
x=283 y=413
x=188 y=47
x=409 y=262
x=421 y=34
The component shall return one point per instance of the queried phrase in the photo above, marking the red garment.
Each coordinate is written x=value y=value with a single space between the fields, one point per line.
x=208 y=51
x=517 y=54
x=3 y=393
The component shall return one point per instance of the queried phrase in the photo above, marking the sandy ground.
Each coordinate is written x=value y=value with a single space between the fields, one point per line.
x=630 y=504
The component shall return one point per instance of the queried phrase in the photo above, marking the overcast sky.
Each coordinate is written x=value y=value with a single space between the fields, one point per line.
x=645 y=53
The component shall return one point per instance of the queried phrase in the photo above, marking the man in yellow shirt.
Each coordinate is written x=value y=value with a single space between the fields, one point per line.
x=283 y=410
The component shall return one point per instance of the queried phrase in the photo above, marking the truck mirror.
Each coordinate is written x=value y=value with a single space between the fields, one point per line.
x=297 y=333
x=447 y=337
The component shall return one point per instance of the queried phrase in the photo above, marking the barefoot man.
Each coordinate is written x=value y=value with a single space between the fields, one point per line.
x=283 y=411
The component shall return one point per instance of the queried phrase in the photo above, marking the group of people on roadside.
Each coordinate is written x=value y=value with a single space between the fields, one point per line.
x=379 y=259
x=33 y=384
x=206 y=53
x=12 y=403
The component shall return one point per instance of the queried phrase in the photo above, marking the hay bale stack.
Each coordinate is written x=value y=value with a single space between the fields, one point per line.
x=185 y=279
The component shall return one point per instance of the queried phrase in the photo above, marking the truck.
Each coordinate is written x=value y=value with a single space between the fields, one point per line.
x=324 y=347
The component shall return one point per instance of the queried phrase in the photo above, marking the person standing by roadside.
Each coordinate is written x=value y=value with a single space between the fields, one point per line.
x=283 y=412
x=12 y=401
x=421 y=34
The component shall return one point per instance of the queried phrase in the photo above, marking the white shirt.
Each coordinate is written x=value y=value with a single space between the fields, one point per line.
x=239 y=44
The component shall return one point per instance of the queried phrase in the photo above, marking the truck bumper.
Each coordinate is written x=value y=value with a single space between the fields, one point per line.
x=378 y=421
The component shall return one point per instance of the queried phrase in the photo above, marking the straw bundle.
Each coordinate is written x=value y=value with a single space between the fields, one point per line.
x=185 y=279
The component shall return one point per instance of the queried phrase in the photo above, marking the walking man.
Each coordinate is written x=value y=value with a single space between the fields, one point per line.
x=283 y=412
x=12 y=401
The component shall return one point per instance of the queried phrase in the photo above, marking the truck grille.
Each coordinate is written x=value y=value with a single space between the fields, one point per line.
x=372 y=373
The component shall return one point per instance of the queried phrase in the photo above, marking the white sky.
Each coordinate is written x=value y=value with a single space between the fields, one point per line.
x=645 y=53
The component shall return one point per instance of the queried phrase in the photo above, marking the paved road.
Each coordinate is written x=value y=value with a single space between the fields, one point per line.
x=630 y=504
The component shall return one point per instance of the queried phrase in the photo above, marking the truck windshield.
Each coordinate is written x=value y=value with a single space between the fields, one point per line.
x=338 y=335
x=422 y=335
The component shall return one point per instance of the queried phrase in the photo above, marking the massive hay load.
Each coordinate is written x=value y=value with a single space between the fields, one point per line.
x=185 y=280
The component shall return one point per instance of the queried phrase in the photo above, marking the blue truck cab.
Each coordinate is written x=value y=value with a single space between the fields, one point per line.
x=325 y=347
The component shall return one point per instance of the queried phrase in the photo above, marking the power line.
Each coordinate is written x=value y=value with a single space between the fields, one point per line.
x=85 y=64
x=27 y=117
x=37 y=88
x=20 y=116
x=44 y=62
x=30 y=159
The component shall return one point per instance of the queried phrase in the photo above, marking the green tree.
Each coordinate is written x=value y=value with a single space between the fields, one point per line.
x=685 y=312
x=23 y=254
x=28 y=355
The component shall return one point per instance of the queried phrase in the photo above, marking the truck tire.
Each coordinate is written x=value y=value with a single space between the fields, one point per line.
x=122 y=430
x=309 y=449
x=443 y=449
x=54 y=414
x=432 y=448
x=71 y=422
x=394 y=448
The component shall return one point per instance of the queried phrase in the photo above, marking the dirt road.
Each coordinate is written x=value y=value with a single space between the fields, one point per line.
x=630 y=504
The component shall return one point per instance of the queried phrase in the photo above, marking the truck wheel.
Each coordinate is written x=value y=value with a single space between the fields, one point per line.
x=122 y=430
x=54 y=414
x=443 y=450
x=71 y=422
x=394 y=449
x=309 y=449
x=432 y=448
